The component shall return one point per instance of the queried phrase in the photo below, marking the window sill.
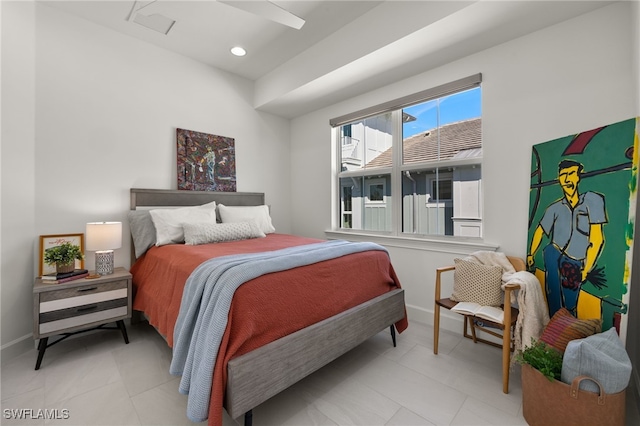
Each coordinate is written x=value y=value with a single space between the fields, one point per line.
x=440 y=244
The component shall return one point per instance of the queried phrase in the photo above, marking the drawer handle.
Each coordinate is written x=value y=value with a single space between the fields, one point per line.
x=87 y=289
x=87 y=308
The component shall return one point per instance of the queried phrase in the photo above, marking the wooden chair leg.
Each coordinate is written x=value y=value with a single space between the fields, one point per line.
x=506 y=357
x=436 y=328
x=473 y=329
x=506 y=337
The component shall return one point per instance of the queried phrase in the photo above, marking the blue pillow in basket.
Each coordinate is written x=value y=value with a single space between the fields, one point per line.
x=601 y=356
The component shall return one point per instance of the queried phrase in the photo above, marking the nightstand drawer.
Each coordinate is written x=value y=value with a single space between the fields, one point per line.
x=82 y=309
x=80 y=320
x=90 y=291
x=78 y=306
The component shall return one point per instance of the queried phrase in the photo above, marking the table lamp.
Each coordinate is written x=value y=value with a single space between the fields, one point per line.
x=103 y=238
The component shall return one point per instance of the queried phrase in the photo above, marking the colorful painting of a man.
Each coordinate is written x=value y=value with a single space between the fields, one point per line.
x=582 y=207
x=206 y=162
x=574 y=225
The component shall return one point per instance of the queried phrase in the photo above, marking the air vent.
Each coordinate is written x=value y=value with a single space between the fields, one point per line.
x=155 y=22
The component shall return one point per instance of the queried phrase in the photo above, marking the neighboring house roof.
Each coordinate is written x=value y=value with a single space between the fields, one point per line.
x=462 y=139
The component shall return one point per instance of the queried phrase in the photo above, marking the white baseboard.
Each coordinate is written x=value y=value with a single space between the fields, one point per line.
x=16 y=348
x=448 y=321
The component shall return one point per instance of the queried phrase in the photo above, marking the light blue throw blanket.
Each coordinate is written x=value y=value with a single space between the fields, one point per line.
x=205 y=307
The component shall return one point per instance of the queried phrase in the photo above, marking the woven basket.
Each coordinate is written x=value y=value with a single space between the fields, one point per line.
x=554 y=403
x=69 y=267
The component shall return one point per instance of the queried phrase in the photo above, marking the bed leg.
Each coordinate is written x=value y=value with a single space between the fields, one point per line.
x=248 y=418
x=393 y=335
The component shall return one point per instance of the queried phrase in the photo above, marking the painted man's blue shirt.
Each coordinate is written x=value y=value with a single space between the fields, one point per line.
x=569 y=228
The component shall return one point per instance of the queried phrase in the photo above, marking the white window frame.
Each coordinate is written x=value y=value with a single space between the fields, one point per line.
x=398 y=168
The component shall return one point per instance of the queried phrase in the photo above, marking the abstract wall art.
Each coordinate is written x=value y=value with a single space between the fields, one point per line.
x=581 y=220
x=206 y=162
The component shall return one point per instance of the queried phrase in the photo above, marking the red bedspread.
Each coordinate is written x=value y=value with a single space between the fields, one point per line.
x=263 y=309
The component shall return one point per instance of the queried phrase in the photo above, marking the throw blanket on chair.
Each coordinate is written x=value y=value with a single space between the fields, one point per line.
x=205 y=305
x=534 y=315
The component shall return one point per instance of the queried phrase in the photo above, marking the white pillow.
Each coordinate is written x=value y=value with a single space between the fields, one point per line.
x=169 y=222
x=259 y=214
x=204 y=233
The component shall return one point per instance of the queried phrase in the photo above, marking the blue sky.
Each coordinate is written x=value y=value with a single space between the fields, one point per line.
x=457 y=107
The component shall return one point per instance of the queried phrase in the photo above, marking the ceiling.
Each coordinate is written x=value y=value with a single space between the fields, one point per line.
x=343 y=49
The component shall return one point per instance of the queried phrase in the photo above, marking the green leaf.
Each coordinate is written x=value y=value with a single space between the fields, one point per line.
x=64 y=254
x=542 y=357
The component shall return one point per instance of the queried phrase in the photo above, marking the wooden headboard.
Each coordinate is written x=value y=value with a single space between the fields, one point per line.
x=173 y=197
x=149 y=198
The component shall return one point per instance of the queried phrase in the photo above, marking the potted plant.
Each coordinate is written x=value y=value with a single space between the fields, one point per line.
x=543 y=358
x=548 y=401
x=63 y=256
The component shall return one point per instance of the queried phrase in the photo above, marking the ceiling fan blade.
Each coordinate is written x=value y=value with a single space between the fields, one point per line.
x=268 y=10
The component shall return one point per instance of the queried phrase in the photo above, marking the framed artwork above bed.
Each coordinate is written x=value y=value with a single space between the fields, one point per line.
x=206 y=162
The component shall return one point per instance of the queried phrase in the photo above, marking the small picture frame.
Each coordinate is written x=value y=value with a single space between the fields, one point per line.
x=48 y=241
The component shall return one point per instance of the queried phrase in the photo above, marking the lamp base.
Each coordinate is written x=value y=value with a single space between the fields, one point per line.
x=104 y=262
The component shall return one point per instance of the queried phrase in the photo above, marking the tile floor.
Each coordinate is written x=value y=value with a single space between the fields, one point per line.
x=102 y=381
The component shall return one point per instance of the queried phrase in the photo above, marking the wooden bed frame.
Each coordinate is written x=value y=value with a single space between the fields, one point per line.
x=262 y=373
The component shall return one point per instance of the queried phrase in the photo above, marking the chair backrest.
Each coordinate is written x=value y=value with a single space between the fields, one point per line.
x=517 y=263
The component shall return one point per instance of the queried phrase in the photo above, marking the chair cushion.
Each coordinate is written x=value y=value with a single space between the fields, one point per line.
x=564 y=327
x=601 y=356
x=477 y=283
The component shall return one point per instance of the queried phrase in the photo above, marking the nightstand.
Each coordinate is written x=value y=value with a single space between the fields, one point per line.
x=80 y=305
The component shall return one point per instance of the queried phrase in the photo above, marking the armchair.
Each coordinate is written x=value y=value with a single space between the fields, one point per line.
x=475 y=323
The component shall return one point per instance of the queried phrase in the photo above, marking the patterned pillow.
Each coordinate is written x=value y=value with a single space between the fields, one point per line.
x=473 y=282
x=204 y=233
x=564 y=327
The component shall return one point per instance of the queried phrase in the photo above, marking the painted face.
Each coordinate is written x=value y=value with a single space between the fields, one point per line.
x=569 y=178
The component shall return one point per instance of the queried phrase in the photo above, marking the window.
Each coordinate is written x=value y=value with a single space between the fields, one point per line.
x=376 y=192
x=426 y=149
x=346 y=135
x=442 y=189
x=347 y=197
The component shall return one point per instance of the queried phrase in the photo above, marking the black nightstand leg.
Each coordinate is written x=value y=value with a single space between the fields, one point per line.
x=42 y=346
x=123 y=329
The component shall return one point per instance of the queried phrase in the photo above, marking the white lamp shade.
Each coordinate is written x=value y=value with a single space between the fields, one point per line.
x=103 y=236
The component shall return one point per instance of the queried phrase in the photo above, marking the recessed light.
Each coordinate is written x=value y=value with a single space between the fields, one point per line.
x=238 y=51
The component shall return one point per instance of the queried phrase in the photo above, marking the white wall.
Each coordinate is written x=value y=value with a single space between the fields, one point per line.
x=567 y=78
x=93 y=113
x=17 y=174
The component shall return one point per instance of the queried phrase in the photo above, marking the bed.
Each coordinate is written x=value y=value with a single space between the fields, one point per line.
x=249 y=372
